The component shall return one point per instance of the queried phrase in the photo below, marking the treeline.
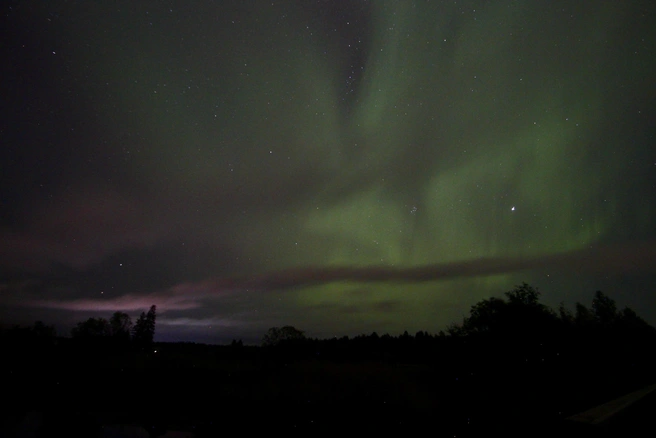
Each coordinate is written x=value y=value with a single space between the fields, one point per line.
x=512 y=358
x=118 y=328
x=519 y=325
x=118 y=331
x=515 y=336
x=511 y=355
x=519 y=320
x=38 y=334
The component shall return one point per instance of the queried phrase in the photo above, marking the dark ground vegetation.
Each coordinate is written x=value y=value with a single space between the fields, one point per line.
x=513 y=365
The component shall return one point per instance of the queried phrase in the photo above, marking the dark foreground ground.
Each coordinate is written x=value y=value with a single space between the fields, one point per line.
x=629 y=416
x=153 y=394
x=217 y=417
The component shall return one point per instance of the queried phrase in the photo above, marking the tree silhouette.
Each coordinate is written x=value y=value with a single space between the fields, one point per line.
x=144 y=329
x=275 y=335
x=629 y=320
x=486 y=316
x=454 y=329
x=604 y=309
x=524 y=295
x=41 y=330
x=120 y=325
x=236 y=344
x=38 y=335
x=565 y=315
x=583 y=316
x=91 y=328
x=519 y=316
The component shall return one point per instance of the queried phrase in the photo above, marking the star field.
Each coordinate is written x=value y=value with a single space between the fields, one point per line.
x=343 y=167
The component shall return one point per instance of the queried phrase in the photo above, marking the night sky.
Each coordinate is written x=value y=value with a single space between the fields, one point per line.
x=340 y=166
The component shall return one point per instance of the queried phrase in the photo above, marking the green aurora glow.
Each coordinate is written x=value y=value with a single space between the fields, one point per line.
x=467 y=130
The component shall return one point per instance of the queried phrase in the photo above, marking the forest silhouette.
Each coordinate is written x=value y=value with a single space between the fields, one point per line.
x=512 y=365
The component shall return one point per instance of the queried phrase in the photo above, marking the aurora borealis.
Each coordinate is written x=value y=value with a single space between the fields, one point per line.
x=343 y=167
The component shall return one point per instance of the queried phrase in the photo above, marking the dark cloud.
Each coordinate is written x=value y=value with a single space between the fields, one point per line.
x=611 y=261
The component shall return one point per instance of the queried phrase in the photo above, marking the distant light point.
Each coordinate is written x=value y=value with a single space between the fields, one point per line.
x=512 y=208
